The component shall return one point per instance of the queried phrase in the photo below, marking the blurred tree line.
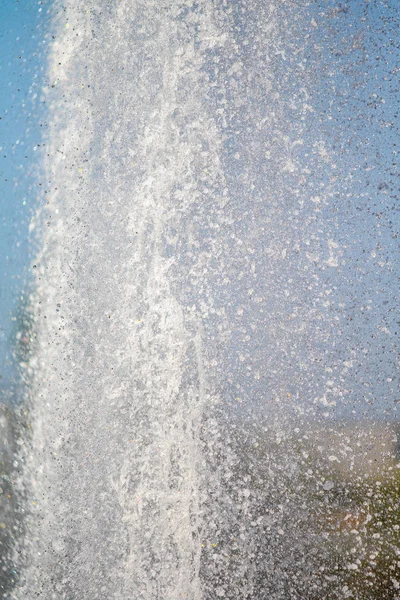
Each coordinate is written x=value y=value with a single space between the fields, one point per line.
x=289 y=512
x=14 y=431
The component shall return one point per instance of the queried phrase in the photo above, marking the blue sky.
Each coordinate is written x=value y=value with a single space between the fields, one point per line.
x=342 y=58
x=21 y=58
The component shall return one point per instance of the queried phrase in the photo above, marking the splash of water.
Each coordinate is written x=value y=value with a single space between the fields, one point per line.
x=119 y=380
x=182 y=179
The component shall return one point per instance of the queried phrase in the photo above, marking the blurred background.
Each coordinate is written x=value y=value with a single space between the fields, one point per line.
x=23 y=43
x=323 y=347
x=23 y=46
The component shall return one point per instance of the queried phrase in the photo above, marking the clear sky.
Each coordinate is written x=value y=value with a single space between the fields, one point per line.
x=21 y=57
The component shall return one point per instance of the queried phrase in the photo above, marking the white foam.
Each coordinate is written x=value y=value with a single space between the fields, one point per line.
x=119 y=386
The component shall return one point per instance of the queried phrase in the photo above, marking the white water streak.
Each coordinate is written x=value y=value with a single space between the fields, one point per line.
x=119 y=382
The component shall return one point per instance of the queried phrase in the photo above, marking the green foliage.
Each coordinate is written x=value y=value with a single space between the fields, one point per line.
x=357 y=516
x=376 y=538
